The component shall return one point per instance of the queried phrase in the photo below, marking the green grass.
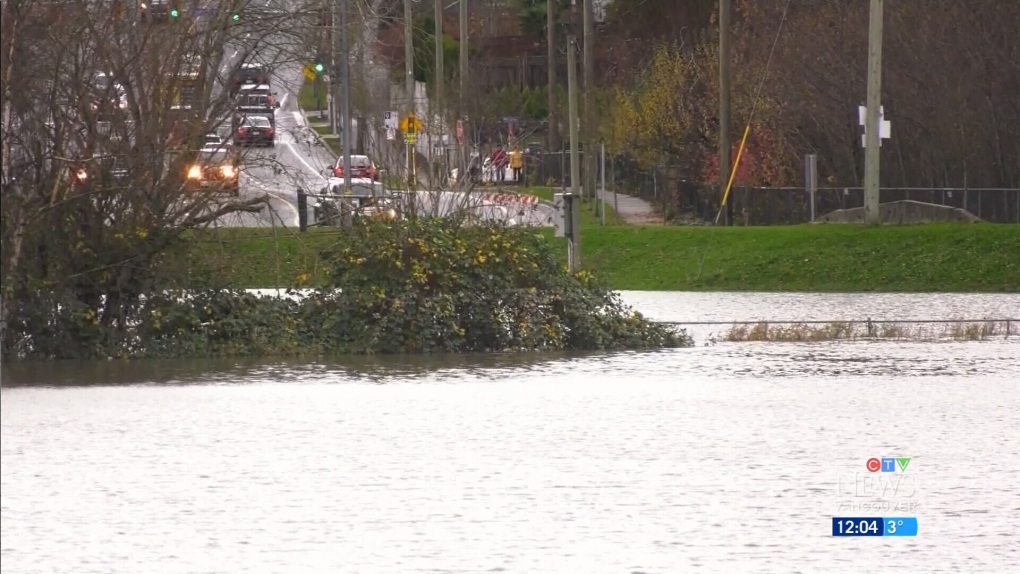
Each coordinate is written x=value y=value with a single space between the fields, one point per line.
x=915 y=258
x=332 y=141
x=306 y=97
x=823 y=258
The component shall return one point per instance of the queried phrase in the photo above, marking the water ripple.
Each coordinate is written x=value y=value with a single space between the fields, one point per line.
x=724 y=458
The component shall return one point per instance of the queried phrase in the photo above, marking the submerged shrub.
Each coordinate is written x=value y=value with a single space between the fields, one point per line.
x=431 y=285
x=416 y=286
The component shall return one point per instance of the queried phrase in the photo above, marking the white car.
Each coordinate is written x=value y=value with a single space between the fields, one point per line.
x=109 y=95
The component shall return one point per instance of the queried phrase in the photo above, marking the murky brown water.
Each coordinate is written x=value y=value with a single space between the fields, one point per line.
x=721 y=458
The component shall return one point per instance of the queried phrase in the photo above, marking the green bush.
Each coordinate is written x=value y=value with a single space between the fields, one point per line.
x=412 y=286
x=430 y=285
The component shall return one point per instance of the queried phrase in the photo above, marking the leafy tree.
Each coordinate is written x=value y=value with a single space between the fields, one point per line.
x=424 y=45
x=532 y=15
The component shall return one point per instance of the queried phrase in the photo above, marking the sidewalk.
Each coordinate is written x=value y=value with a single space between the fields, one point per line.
x=633 y=210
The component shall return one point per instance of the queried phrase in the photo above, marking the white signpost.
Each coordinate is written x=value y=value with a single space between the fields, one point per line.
x=391 y=121
x=884 y=127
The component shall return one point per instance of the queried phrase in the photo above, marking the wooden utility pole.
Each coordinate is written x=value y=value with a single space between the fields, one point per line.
x=345 y=79
x=724 y=101
x=575 y=164
x=440 y=73
x=334 y=69
x=550 y=38
x=872 y=129
x=463 y=62
x=590 y=159
x=409 y=65
x=437 y=115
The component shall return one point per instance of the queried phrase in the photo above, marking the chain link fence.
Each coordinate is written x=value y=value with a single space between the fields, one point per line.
x=690 y=201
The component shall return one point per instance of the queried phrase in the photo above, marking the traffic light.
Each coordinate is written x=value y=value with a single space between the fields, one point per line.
x=175 y=11
x=235 y=17
x=319 y=67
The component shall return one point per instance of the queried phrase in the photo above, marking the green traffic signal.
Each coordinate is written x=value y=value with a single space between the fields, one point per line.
x=235 y=17
x=319 y=68
x=174 y=13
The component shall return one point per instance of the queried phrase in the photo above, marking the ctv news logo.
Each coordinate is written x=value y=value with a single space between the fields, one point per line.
x=888 y=464
x=885 y=487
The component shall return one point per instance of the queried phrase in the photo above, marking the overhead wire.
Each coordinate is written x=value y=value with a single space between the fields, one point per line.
x=743 y=140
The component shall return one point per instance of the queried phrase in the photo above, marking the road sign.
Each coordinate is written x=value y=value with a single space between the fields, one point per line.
x=884 y=127
x=410 y=124
x=391 y=133
x=410 y=138
x=390 y=120
x=309 y=72
x=559 y=227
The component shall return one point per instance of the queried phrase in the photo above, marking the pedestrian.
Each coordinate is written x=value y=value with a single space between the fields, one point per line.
x=499 y=160
x=517 y=164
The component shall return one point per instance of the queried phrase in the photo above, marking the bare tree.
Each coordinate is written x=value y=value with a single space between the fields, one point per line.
x=104 y=108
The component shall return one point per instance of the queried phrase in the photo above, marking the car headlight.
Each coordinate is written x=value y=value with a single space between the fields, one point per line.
x=228 y=171
x=195 y=172
x=81 y=174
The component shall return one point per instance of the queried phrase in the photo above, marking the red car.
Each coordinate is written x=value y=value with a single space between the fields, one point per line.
x=361 y=167
x=255 y=130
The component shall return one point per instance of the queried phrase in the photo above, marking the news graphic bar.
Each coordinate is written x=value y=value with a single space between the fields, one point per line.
x=900 y=526
x=874 y=526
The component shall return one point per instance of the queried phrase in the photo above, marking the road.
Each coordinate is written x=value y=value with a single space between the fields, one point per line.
x=298 y=158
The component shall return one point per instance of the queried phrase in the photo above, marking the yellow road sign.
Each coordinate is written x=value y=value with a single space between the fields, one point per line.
x=309 y=72
x=410 y=138
x=409 y=124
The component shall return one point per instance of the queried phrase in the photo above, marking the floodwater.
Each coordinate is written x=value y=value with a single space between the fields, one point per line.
x=728 y=457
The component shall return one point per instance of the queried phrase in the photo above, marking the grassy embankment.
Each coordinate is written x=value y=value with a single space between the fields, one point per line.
x=307 y=101
x=918 y=258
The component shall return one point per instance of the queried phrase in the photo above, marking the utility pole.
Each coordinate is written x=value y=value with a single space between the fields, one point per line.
x=575 y=164
x=334 y=86
x=345 y=79
x=550 y=38
x=872 y=129
x=463 y=62
x=409 y=64
x=724 y=100
x=589 y=113
x=440 y=78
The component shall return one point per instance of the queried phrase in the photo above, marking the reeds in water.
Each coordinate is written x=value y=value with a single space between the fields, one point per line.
x=849 y=330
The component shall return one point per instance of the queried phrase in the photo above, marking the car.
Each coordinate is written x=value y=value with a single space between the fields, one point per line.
x=249 y=73
x=155 y=10
x=108 y=96
x=100 y=170
x=214 y=141
x=214 y=168
x=361 y=168
x=255 y=130
x=256 y=98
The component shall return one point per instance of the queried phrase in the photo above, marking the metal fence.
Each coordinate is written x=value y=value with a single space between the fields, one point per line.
x=695 y=201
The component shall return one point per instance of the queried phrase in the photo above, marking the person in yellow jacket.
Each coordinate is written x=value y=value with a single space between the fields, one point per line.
x=517 y=164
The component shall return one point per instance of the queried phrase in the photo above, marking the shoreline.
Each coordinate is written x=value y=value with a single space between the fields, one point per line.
x=925 y=258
